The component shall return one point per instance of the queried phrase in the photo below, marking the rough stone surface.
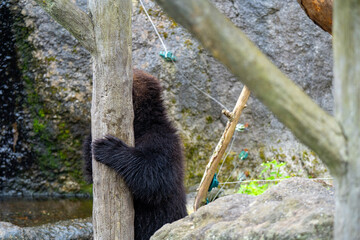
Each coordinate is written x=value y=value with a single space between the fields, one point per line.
x=62 y=79
x=296 y=208
x=10 y=231
x=72 y=229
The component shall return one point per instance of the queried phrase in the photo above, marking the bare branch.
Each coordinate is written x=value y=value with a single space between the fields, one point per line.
x=221 y=147
x=73 y=19
x=312 y=125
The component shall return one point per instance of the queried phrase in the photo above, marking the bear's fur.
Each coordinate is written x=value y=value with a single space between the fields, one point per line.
x=153 y=169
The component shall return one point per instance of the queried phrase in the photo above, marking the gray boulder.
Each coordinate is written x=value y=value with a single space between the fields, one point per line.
x=296 y=208
x=80 y=229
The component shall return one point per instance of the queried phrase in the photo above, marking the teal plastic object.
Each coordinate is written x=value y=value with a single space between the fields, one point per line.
x=214 y=183
x=243 y=155
x=168 y=56
x=241 y=127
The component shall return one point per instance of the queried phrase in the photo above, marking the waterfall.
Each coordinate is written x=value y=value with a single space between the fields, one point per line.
x=15 y=154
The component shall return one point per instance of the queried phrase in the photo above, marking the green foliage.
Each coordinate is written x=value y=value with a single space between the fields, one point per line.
x=271 y=171
x=38 y=126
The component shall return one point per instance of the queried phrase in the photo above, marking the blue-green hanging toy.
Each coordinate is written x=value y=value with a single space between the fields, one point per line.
x=244 y=154
x=168 y=56
x=241 y=127
x=214 y=183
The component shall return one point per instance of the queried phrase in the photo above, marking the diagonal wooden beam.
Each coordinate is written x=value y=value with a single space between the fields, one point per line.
x=221 y=147
x=73 y=19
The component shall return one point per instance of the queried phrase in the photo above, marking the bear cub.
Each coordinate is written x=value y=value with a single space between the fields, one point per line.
x=153 y=169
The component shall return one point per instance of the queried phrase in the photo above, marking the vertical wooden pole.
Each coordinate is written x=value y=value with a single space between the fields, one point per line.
x=346 y=44
x=112 y=113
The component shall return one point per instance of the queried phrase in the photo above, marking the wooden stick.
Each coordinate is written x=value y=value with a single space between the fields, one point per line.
x=221 y=147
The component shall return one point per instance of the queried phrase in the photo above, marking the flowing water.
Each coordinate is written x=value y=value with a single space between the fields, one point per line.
x=15 y=154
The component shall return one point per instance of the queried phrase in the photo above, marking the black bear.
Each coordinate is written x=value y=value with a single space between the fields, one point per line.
x=153 y=169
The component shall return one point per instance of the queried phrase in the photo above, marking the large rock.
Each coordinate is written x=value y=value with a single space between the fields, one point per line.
x=59 y=86
x=80 y=229
x=296 y=208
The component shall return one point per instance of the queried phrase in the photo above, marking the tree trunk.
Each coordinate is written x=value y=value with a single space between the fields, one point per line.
x=320 y=11
x=347 y=108
x=112 y=113
x=106 y=34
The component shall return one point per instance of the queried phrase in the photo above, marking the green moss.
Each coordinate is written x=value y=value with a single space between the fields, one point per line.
x=37 y=126
x=55 y=147
x=173 y=23
x=188 y=43
x=262 y=154
x=195 y=159
x=154 y=13
x=86 y=188
x=50 y=59
x=201 y=49
x=75 y=48
x=165 y=35
x=41 y=113
x=209 y=120
x=279 y=155
x=305 y=156
x=185 y=110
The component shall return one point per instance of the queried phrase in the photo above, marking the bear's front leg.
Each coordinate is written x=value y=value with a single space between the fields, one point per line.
x=112 y=152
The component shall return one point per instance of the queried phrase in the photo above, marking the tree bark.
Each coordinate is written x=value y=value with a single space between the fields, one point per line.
x=73 y=19
x=312 y=125
x=112 y=113
x=320 y=11
x=347 y=109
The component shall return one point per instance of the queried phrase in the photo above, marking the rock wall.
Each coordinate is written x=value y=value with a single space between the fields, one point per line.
x=59 y=86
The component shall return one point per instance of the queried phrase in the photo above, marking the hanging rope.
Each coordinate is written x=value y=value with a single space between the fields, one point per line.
x=228 y=152
x=272 y=180
x=147 y=14
x=169 y=57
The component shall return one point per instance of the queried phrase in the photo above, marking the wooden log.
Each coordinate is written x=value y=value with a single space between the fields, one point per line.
x=112 y=113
